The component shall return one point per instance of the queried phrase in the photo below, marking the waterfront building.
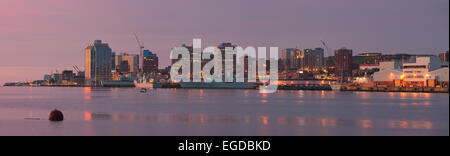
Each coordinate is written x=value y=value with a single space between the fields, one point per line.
x=57 y=78
x=221 y=47
x=344 y=64
x=424 y=72
x=399 y=59
x=291 y=58
x=388 y=74
x=124 y=67
x=47 y=77
x=98 y=63
x=79 y=79
x=67 y=75
x=132 y=60
x=367 y=58
x=113 y=61
x=191 y=51
x=312 y=60
x=225 y=60
x=151 y=62
x=444 y=57
x=365 y=67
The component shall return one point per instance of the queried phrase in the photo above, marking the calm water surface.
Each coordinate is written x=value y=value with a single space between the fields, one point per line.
x=114 y=111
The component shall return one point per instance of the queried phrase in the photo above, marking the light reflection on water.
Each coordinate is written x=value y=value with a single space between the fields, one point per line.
x=227 y=112
x=259 y=120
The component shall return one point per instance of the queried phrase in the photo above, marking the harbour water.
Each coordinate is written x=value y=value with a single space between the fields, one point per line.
x=174 y=112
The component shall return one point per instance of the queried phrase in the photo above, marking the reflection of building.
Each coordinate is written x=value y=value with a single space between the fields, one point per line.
x=424 y=72
x=98 y=62
x=150 y=64
x=444 y=57
x=344 y=65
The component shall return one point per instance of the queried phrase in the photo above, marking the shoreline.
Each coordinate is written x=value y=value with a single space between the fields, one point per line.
x=343 y=89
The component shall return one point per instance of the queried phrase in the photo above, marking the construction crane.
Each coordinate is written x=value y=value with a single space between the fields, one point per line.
x=328 y=52
x=76 y=69
x=326 y=47
x=141 y=51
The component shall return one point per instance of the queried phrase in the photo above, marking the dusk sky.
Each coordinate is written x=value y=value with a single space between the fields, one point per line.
x=38 y=36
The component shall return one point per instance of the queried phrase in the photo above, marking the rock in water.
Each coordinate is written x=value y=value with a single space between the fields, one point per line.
x=56 y=115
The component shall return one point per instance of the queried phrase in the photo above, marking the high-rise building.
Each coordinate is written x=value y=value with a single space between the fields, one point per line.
x=113 y=61
x=312 y=59
x=291 y=58
x=203 y=62
x=133 y=62
x=124 y=67
x=344 y=65
x=98 y=63
x=151 y=62
x=127 y=63
x=444 y=57
x=191 y=51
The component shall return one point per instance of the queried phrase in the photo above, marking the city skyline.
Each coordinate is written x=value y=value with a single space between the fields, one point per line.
x=42 y=36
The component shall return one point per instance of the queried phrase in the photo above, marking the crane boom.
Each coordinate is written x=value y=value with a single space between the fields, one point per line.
x=325 y=45
x=141 y=46
x=141 y=51
x=74 y=67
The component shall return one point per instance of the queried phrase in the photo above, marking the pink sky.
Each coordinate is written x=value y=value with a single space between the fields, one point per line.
x=37 y=36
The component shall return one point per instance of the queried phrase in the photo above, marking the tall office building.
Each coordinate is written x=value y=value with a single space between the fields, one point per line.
x=312 y=59
x=291 y=58
x=343 y=60
x=133 y=62
x=127 y=63
x=113 y=61
x=151 y=61
x=98 y=63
